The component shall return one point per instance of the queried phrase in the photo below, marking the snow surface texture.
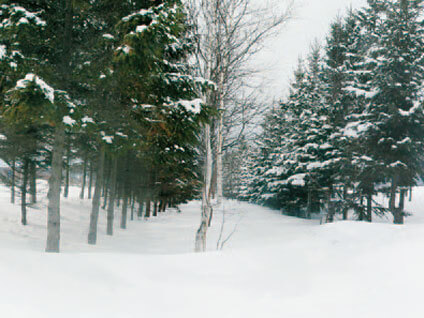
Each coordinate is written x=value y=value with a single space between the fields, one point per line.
x=273 y=266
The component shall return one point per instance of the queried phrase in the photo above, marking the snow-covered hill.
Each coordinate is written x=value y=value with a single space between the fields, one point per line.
x=272 y=266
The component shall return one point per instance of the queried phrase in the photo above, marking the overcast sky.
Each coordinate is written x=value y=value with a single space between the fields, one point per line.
x=311 y=21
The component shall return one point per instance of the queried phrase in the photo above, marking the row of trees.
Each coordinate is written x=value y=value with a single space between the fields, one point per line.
x=353 y=124
x=106 y=83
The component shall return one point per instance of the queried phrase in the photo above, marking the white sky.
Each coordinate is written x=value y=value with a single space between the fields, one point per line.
x=311 y=21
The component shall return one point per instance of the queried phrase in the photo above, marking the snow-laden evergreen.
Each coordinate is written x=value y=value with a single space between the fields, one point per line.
x=352 y=125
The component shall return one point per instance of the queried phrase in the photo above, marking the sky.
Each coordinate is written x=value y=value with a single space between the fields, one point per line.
x=311 y=21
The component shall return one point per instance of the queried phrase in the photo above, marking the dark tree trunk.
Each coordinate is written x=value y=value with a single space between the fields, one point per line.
x=140 y=209
x=53 y=218
x=24 y=192
x=132 y=207
x=84 y=177
x=106 y=184
x=369 y=206
x=68 y=154
x=147 y=214
x=12 y=193
x=155 y=208
x=33 y=182
x=94 y=216
x=309 y=206
x=111 y=205
x=345 y=207
x=90 y=182
x=397 y=214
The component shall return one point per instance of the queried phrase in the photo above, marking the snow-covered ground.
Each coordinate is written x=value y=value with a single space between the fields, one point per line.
x=273 y=266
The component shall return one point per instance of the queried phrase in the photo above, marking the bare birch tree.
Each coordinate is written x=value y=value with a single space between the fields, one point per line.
x=229 y=33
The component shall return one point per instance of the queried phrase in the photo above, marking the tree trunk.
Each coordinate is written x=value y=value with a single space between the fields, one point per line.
x=369 y=206
x=309 y=206
x=147 y=214
x=112 y=194
x=155 y=208
x=24 y=192
x=397 y=217
x=132 y=207
x=220 y=141
x=400 y=213
x=345 y=207
x=33 y=182
x=68 y=154
x=90 y=183
x=331 y=209
x=140 y=209
x=55 y=180
x=84 y=177
x=124 y=212
x=12 y=193
x=200 y=241
x=95 y=207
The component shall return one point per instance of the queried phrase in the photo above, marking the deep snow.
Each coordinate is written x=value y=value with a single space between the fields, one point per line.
x=273 y=266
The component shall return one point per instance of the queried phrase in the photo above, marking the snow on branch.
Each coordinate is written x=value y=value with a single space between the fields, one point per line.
x=47 y=90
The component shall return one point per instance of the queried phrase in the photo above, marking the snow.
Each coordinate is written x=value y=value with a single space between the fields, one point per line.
x=108 y=36
x=47 y=90
x=141 y=28
x=87 y=119
x=193 y=106
x=67 y=120
x=356 y=129
x=273 y=265
x=2 y=51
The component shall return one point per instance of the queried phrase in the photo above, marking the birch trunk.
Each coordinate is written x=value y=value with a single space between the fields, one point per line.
x=95 y=207
x=112 y=195
x=53 y=215
x=200 y=242
x=220 y=141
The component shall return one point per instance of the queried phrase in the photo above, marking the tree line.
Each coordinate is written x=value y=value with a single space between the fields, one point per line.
x=352 y=127
x=107 y=84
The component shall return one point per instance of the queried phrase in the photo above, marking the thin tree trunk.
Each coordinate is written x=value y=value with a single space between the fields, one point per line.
x=111 y=205
x=124 y=212
x=90 y=183
x=53 y=215
x=397 y=218
x=94 y=216
x=12 y=193
x=400 y=215
x=140 y=209
x=132 y=207
x=24 y=192
x=369 y=206
x=155 y=208
x=68 y=154
x=220 y=141
x=147 y=215
x=345 y=208
x=331 y=210
x=200 y=242
x=33 y=182
x=106 y=183
x=309 y=206
x=84 y=177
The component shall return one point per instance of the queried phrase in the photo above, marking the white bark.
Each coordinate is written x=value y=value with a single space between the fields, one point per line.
x=200 y=243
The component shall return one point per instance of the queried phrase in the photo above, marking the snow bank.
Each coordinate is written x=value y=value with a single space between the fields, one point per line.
x=273 y=266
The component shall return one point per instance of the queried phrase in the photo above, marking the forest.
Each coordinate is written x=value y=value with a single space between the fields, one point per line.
x=147 y=168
